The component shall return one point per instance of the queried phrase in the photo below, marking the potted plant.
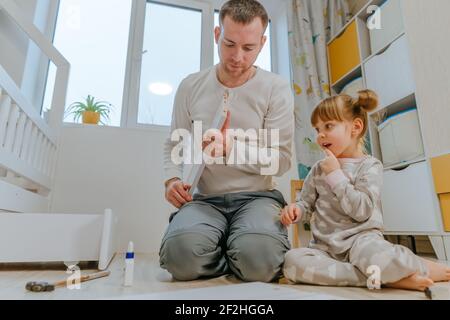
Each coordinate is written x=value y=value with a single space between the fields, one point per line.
x=90 y=111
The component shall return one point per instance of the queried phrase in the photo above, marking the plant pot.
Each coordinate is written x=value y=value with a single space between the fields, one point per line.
x=91 y=117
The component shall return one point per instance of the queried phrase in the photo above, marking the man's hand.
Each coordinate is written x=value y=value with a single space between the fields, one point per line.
x=218 y=145
x=290 y=214
x=330 y=163
x=177 y=192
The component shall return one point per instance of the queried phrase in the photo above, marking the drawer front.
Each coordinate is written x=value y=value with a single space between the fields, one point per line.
x=391 y=25
x=445 y=209
x=440 y=167
x=408 y=200
x=389 y=74
x=343 y=53
x=388 y=147
x=400 y=139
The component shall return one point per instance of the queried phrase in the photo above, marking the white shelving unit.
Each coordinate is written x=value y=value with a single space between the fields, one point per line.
x=409 y=199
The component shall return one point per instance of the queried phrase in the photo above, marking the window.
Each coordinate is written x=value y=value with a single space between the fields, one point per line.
x=164 y=65
x=264 y=60
x=169 y=39
x=168 y=56
x=93 y=37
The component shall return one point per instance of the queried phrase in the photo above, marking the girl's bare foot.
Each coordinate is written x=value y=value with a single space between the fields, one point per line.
x=438 y=272
x=414 y=282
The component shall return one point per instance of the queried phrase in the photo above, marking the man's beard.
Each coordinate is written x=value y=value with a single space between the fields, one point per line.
x=241 y=71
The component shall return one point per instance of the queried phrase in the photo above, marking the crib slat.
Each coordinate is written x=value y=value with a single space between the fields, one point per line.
x=5 y=107
x=38 y=149
x=33 y=142
x=19 y=134
x=51 y=163
x=11 y=128
x=26 y=140
x=46 y=158
x=43 y=155
x=40 y=152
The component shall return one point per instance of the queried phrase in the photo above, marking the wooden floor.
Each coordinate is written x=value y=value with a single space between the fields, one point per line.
x=149 y=279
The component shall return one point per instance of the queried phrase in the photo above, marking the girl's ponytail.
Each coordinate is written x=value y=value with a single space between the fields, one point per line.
x=366 y=100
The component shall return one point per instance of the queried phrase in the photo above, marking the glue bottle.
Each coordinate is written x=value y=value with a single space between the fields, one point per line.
x=129 y=265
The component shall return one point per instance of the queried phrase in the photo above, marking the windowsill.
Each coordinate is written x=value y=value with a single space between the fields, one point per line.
x=152 y=128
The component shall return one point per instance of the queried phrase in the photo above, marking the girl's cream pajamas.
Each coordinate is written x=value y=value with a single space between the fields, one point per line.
x=344 y=210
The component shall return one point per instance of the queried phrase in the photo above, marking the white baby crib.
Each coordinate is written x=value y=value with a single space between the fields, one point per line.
x=28 y=156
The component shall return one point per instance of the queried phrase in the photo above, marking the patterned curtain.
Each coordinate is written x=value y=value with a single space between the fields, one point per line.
x=311 y=24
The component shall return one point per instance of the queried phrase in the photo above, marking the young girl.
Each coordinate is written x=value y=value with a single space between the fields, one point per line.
x=341 y=199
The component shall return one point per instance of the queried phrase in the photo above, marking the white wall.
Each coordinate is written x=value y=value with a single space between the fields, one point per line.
x=117 y=168
x=427 y=28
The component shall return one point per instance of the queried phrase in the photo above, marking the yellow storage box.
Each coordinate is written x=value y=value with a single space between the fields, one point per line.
x=343 y=53
x=441 y=175
x=444 y=199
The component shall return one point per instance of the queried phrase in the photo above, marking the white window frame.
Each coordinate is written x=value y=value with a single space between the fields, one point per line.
x=130 y=103
x=40 y=80
x=130 y=100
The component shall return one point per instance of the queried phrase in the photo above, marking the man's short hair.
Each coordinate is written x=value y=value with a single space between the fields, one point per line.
x=244 y=11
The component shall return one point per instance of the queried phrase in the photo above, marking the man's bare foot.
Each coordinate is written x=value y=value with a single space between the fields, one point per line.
x=438 y=272
x=414 y=282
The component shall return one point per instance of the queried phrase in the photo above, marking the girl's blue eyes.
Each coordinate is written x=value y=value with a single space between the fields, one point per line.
x=327 y=127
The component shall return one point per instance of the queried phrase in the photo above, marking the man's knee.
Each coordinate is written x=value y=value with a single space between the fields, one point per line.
x=257 y=257
x=186 y=255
